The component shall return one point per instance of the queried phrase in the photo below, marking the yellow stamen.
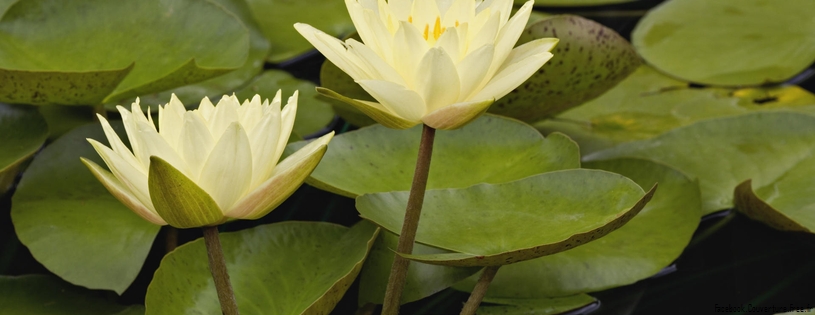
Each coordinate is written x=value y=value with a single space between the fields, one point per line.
x=410 y=19
x=456 y=23
x=426 y=28
x=437 y=29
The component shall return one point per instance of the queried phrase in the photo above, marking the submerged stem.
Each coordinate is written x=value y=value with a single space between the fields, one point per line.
x=217 y=265
x=396 y=281
x=480 y=290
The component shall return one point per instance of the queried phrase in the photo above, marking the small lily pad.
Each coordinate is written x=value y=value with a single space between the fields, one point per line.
x=47 y=295
x=124 y=51
x=313 y=115
x=72 y=224
x=491 y=149
x=283 y=268
x=422 y=281
x=276 y=18
x=638 y=250
x=648 y=103
x=724 y=152
x=500 y=224
x=543 y=306
x=728 y=42
x=22 y=132
x=589 y=59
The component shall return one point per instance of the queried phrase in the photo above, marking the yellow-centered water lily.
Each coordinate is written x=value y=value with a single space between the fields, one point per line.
x=205 y=166
x=437 y=62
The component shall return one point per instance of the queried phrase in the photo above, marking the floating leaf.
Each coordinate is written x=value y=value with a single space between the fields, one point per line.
x=638 y=250
x=491 y=149
x=22 y=133
x=124 y=51
x=728 y=42
x=500 y=224
x=422 y=281
x=648 y=103
x=589 y=59
x=313 y=115
x=62 y=119
x=724 y=152
x=276 y=18
x=47 y=295
x=544 y=306
x=283 y=268
x=72 y=224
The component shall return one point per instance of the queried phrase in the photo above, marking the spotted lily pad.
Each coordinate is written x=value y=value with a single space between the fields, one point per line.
x=22 y=133
x=589 y=59
x=276 y=17
x=648 y=103
x=544 y=306
x=728 y=42
x=313 y=114
x=47 y=295
x=72 y=224
x=638 y=250
x=500 y=224
x=491 y=149
x=124 y=50
x=772 y=149
x=283 y=268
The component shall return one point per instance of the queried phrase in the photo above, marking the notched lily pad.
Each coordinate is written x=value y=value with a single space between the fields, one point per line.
x=752 y=206
x=47 y=295
x=22 y=132
x=491 y=149
x=500 y=224
x=119 y=57
x=728 y=42
x=283 y=268
x=589 y=59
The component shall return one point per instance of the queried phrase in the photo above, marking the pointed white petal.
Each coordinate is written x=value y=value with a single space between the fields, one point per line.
x=473 y=70
x=119 y=147
x=264 y=142
x=510 y=33
x=450 y=43
x=401 y=101
x=195 y=143
x=411 y=49
x=227 y=173
x=206 y=108
x=332 y=48
x=132 y=179
x=170 y=119
x=226 y=113
x=154 y=144
x=519 y=66
x=437 y=80
x=380 y=69
x=373 y=110
x=115 y=187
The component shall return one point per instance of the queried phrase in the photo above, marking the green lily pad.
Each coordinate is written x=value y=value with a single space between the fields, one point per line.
x=491 y=149
x=638 y=250
x=500 y=224
x=768 y=148
x=276 y=18
x=22 y=132
x=728 y=42
x=422 y=281
x=589 y=59
x=573 y=3
x=283 y=268
x=648 y=103
x=544 y=306
x=313 y=114
x=72 y=224
x=224 y=84
x=62 y=119
x=47 y=295
x=124 y=51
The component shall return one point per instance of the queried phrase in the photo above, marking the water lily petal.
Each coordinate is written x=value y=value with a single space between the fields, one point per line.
x=509 y=34
x=115 y=187
x=264 y=141
x=131 y=179
x=227 y=173
x=170 y=120
x=380 y=69
x=411 y=49
x=119 y=147
x=457 y=115
x=519 y=66
x=226 y=113
x=473 y=69
x=287 y=177
x=376 y=111
x=398 y=99
x=195 y=143
x=333 y=49
x=439 y=87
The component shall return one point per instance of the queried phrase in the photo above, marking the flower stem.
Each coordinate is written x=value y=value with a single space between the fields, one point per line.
x=480 y=290
x=399 y=269
x=217 y=264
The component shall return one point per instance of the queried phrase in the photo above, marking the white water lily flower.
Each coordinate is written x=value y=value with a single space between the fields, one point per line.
x=205 y=166
x=437 y=62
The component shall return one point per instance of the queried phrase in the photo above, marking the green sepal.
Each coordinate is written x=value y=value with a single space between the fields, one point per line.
x=178 y=200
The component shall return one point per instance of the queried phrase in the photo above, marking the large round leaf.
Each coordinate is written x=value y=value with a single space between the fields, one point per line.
x=61 y=119
x=589 y=59
x=722 y=153
x=47 y=295
x=276 y=18
x=227 y=83
x=313 y=114
x=22 y=133
x=284 y=268
x=491 y=149
x=128 y=48
x=640 y=249
x=544 y=306
x=648 y=103
x=72 y=224
x=500 y=224
x=728 y=42
x=422 y=281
